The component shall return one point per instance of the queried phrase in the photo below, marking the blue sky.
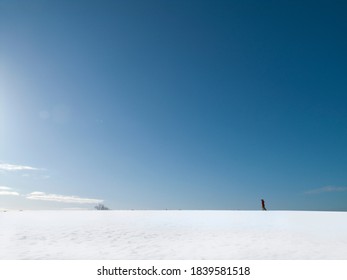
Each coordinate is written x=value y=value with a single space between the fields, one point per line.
x=173 y=104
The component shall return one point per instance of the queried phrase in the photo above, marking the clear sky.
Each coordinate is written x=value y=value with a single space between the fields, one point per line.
x=173 y=104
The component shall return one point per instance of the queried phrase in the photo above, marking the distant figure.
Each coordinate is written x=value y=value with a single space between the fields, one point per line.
x=263 y=204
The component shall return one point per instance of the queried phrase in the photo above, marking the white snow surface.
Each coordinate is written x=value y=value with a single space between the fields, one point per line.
x=176 y=235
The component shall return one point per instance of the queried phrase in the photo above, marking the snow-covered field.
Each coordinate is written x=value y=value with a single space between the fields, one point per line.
x=173 y=235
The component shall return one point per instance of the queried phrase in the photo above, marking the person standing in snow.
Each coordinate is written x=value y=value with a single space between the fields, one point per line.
x=263 y=204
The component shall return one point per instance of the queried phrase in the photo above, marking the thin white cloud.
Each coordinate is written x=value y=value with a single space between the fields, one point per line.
x=62 y=198
x=16 y=167
x=7 y=191
x=327 y=189
x=37 y=193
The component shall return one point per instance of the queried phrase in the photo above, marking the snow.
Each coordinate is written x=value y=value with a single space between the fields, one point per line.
x=242 y=235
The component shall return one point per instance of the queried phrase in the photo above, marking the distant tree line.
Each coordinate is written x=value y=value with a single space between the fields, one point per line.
x=101 y=207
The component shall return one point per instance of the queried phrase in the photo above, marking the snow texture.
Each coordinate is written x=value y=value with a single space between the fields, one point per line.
x=129 y=235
